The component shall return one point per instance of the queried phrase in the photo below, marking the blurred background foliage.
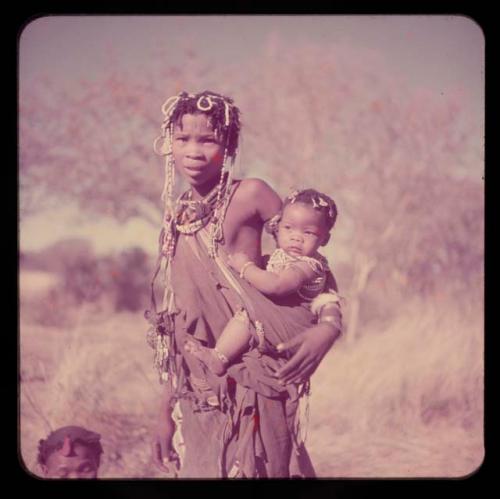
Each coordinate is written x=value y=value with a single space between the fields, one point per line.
x=404 y=165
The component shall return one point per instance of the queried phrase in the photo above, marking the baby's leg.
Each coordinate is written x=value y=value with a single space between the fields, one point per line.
x=212 y=359
x=233 y=340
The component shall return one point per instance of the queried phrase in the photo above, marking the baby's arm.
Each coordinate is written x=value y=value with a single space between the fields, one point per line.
x=271 y=283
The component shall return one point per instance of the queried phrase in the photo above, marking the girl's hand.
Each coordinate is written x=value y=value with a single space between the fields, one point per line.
x=311 y=346
x=237 y=260
x=165 y=457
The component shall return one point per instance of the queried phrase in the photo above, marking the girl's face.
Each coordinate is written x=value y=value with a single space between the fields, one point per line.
x=82 y=463
x=198 y=155
x=301 y=230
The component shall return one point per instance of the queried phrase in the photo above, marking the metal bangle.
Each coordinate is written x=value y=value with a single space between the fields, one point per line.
x=245 y=267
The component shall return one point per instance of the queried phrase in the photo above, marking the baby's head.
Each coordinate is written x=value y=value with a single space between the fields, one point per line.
x=70 y=452
x=306 y=220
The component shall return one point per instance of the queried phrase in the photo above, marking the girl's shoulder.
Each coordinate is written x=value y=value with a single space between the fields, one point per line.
x=258 y=197
x=255 y=186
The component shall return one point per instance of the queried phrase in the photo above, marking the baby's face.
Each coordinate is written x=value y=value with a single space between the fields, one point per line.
x=82 y=463
x=301 y=230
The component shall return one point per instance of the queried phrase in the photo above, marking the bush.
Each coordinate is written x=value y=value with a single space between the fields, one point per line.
x=131 y=279
x=121 y=279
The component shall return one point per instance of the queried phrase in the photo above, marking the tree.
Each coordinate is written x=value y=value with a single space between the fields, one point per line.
x=92 y=144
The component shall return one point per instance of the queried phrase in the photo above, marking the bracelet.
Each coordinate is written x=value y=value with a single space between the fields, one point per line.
x=333 y=322
x=244 y=267
x=223 y=358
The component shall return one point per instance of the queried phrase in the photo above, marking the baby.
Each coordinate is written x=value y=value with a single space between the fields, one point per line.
x=303 y=226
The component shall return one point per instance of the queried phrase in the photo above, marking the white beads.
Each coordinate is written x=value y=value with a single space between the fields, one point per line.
x=206 y=107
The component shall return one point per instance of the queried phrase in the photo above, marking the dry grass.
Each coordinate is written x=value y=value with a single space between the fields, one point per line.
x=403 y=401
x=97 y=374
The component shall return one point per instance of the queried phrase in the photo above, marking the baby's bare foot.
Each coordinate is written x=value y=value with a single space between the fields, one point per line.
x=209 y=356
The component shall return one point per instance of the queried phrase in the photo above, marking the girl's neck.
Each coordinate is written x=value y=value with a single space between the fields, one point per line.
x=201 y=191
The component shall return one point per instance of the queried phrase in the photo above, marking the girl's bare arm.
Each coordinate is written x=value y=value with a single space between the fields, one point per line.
x=164 y=456
x=310 y=346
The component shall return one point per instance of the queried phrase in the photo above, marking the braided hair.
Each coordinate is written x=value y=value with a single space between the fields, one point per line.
x=74 y=434
x=319 y=201
x=311 y=197
x=223 y=116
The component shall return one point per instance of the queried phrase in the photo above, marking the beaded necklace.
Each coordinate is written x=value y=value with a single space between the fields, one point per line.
x=193 y=214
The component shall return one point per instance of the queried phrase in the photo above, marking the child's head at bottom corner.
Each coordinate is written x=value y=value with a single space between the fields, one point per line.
x=70 y=452
x=306 y=219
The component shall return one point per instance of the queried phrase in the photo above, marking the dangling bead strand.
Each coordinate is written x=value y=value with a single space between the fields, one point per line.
x=167 y=197
x=223 y=196
x=214 y=227
x=225 y=201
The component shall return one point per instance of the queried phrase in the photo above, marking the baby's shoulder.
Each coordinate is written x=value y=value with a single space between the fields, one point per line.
x=317 y=263
x=280 y=259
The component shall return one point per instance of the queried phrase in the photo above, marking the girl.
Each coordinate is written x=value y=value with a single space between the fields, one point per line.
x=241 y=424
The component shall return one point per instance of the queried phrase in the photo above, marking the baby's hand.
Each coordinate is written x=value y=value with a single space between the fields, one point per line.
x=237 y=260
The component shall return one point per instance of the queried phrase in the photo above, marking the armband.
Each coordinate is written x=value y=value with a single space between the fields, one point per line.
x=245 y=267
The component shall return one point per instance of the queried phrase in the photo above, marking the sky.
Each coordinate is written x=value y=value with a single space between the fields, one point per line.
x=440 y=53
x=429 y=50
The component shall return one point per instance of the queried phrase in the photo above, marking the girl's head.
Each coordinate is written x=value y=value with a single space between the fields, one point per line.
x=70 y=452
x=222 y=116
x=306 y=221
x=200 y=133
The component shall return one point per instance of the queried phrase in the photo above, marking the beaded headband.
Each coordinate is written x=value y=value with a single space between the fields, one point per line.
x=318 y=200
x=204 y=103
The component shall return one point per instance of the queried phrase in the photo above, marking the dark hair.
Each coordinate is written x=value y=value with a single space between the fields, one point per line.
x=318 y=201
x=223 y=116
x=76 y=434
